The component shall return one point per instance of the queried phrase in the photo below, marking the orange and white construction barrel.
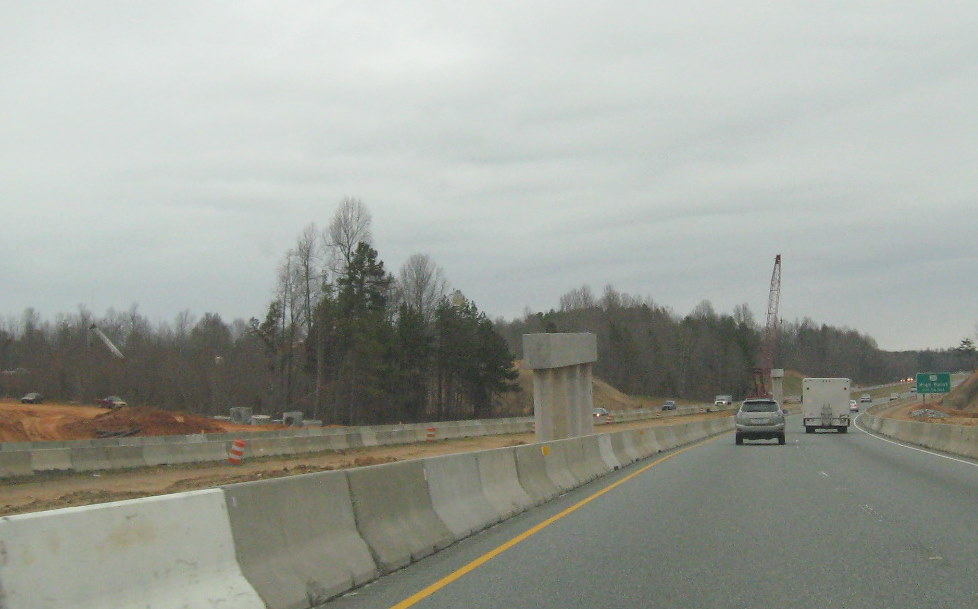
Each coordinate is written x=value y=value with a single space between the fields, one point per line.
x=237 y=452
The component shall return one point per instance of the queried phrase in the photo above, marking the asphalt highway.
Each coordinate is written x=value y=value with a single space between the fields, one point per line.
x=827 y=521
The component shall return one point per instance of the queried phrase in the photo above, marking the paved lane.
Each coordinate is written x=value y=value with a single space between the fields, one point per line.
x=827 y=521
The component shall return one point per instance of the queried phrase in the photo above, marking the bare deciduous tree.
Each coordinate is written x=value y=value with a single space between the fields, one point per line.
x=350 y=225
x=422 y=285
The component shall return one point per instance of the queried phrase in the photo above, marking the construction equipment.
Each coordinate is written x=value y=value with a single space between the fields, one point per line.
x=105 y=340
x=762 y=371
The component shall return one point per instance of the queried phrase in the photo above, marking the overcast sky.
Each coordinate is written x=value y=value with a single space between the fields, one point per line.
x=168 y=154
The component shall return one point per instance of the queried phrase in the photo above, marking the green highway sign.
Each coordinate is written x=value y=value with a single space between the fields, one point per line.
x=933 y=382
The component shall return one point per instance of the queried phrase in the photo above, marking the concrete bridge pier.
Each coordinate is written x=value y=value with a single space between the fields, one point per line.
x=563 y=400
x=777 y=385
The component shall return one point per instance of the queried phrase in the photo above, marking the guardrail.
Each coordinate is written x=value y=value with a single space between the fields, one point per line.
x=295 y=542
x=28 y=458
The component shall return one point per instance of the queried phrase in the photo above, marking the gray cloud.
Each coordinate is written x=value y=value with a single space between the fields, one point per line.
x=168 y=155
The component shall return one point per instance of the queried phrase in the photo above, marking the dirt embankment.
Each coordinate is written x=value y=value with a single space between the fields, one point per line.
x=960 y=406
x=44 y=422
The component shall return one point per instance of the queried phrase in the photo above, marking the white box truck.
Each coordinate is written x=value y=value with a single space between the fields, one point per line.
x=825 y=404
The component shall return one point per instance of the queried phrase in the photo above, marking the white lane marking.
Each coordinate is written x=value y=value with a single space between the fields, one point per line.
x=823 y=474
x=923 y=450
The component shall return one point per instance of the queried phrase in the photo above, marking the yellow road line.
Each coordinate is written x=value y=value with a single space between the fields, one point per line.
x=478 y=562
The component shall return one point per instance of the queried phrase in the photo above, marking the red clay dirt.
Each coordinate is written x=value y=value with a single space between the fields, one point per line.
x=44 y=422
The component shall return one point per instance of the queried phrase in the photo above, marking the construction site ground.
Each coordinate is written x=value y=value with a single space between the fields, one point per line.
x=57 y=489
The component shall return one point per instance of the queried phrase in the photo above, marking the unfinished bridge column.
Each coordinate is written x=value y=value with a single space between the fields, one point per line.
x=777 y=385
x=563 y=401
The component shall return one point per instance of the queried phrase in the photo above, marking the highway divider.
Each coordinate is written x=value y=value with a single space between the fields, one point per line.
x=954 y=439
x=28 y=458
x=295 y=542
x=167 y=551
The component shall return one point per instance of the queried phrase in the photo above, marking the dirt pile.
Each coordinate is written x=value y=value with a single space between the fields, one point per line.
x=950 y=416
x=12 y=431
x=964 y=397
x=604 y=396
x=141 y=421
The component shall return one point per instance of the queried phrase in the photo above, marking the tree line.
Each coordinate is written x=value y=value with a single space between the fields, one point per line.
x=345 y=341
x=342 y=340
x=646 y=349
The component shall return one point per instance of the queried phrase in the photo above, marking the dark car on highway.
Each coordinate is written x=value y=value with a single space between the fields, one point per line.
x=32 y=398
x=669 y=405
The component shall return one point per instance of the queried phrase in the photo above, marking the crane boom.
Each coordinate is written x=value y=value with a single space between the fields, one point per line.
x=762 y=372
x=105 y=340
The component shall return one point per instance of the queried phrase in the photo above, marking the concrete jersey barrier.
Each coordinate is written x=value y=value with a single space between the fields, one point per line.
x=456 y=494
x=394 y=513
x=164 y=552
x=500 y=482
x=289 y=543
x=296 y=538
x=116 y=453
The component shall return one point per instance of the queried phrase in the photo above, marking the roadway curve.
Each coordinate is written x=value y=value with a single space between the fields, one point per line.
x=827 y=521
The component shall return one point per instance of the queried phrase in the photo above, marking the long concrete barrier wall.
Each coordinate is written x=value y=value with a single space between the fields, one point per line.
x=293 y=543
x=955 y=439
x=28 y=458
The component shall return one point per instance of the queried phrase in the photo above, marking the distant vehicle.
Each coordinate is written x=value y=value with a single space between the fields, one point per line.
x=894 y=397
x=669 y=405
x=865 y=399
x=723 y=400
x=853 y=406
x=32 y=398
x=913 y=389
x=113 y=402
x=601 y=415
x=759 y=419
x=825 y=404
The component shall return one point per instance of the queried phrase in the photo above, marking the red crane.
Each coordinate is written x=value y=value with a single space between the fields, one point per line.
x=762 y=372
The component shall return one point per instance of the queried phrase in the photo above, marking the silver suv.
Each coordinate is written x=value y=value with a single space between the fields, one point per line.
x=759 y=419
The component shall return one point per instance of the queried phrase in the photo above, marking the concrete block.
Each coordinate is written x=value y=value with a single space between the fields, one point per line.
x=368 y=437
x=296 y=538
x=456 y=494
x=531 y=468
x=241 y=415
x=269 y=447
x=292 y=418
x=624 y=456
x=19 y=446
x=559 y=350
x=607 y=450
x=89 y=459
x=394 y=513
x=635 y=443
x=558 y=468
x=501 y=483
x=124 y=457
x=15 y=463
x=169 y=454
x=666 y=437
x=50 y=459
x=158 y=552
